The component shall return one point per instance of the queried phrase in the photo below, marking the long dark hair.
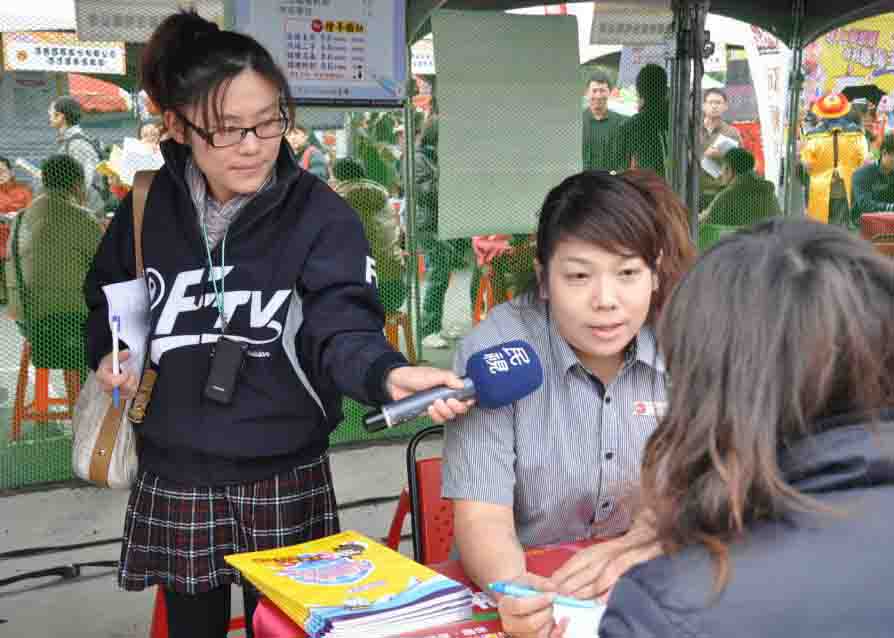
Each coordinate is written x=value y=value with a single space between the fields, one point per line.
x=616 y=214
x=773 y=330
x=189 y=61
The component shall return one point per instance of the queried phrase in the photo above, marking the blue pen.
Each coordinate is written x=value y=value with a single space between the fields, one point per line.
x=522 y=591
x=116 y=370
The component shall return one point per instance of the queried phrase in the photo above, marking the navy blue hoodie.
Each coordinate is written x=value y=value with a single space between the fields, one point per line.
x=300 y=290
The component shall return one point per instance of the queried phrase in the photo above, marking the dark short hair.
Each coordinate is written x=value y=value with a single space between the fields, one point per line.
x=651 y=83
x=347 y=169
x=887 y=144
x=5 y=161
x=600 y=77
x=62 y=174
x=715 y=91
x=69 y=107
x=616 y=214
x=740 y=160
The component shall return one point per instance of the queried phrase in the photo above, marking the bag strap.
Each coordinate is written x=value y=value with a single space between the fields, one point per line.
x=101 y=458
x=142 y=182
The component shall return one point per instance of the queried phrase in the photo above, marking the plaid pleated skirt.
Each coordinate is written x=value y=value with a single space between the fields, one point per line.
x=177 y=536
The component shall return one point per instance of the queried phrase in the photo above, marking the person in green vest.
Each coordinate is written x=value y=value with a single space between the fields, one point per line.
x=745 y=198
x=51 y=246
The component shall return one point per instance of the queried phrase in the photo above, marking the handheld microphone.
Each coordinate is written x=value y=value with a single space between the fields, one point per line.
x=495 y=377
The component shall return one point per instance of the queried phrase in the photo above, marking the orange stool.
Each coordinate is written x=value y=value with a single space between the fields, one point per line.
x=39 y=409
x=159 y=626
x=393 y=322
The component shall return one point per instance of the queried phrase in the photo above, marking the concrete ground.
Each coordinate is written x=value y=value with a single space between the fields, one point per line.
x=91 y=606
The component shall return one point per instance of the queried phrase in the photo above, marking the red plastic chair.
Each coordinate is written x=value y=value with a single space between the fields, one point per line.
x=431 y=517
x=159 y=626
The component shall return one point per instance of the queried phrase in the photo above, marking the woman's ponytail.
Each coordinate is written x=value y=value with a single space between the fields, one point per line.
x=168 y=55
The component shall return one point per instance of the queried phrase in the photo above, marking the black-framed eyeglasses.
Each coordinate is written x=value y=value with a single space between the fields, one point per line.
x=232 y=135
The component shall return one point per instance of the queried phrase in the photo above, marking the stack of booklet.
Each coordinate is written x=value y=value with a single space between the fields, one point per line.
x=347 y=586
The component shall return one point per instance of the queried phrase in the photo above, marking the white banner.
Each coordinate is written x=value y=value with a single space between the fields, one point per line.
x=133 y=21
x=423 y=60
x=510 y=108
x=61 y=53
x=634 y=23
x=769 y=61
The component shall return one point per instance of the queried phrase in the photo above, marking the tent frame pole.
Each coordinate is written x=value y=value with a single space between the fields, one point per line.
x=686 y=104
x=793 y=203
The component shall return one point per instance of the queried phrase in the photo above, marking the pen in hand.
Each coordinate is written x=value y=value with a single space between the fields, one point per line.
x=116 y=368
x=523 y=591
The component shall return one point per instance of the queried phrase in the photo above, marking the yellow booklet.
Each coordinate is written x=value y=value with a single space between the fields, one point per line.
x=349 y=585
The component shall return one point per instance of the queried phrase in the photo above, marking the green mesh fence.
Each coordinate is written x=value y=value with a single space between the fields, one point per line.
x=435 y=286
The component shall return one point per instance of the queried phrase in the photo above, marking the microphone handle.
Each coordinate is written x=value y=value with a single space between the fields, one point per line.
x=409 y=408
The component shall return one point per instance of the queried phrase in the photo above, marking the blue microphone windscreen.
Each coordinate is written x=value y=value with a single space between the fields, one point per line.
x=504 y=373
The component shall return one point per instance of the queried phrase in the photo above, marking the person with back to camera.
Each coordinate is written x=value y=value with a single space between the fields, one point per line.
x=608 y=253
x=770 y=480
x=746 y=197
x=240 y=247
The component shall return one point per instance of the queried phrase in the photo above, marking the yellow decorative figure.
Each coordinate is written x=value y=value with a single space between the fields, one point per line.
x=817 y=154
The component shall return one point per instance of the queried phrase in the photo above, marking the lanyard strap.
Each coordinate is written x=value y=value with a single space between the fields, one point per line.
x=218 y=294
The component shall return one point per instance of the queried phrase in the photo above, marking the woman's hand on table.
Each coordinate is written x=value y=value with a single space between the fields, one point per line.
x=406 y=380
x=530 y=617
x=592 y=571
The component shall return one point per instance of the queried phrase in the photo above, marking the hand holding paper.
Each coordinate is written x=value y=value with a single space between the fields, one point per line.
x=129 y=318
x=531 y=611
x=719 y=148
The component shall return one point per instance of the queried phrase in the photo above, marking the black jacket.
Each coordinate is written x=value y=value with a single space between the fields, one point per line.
x=300 y=289
x=813 y=575
x=873 y=191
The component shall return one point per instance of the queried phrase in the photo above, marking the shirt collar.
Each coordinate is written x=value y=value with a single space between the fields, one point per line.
x=643 y=349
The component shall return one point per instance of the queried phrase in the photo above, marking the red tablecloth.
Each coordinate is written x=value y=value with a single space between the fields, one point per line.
x=270 y=622
x=872 y=224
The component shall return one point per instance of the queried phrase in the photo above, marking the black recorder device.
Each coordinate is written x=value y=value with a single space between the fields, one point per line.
x=227 y=358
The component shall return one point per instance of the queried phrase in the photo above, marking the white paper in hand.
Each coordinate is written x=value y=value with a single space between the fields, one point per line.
x=130 y=301
x=723 y=144
x=133 y=157
x=583 y=621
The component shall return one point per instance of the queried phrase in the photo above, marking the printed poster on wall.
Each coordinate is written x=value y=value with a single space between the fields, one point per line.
x=334 y=52
x=860 y=53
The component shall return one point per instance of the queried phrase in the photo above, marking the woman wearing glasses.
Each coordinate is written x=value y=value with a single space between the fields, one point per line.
x=244 y=253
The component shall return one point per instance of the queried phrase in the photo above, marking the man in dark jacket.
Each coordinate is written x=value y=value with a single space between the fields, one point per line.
x=600 y=125
x=873 y=185
x=746 y=198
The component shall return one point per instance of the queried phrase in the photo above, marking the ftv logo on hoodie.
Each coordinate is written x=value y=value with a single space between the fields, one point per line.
x=179 y=301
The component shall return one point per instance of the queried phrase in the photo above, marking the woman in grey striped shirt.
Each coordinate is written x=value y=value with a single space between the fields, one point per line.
x=559 y=464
